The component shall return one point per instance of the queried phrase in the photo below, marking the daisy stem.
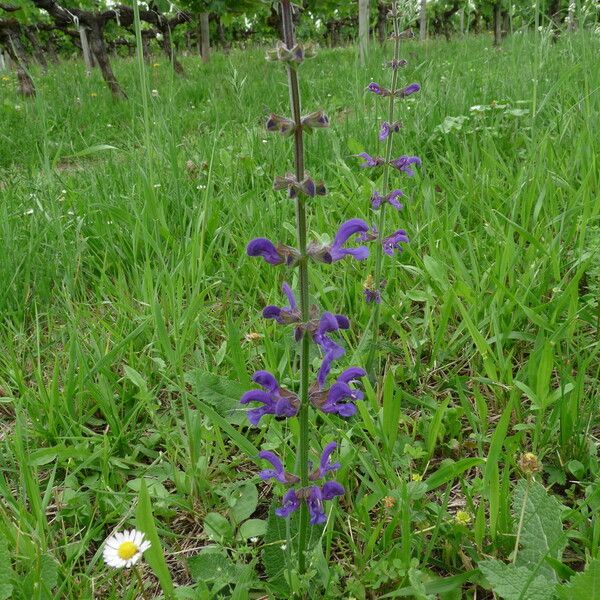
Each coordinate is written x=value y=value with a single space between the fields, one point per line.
x=385 y=191
x=302 y=448
x=140 y=582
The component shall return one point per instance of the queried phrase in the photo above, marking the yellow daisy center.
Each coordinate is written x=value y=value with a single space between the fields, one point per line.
x=127 y=550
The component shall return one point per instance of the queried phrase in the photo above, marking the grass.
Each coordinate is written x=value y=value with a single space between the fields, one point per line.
x=129 y=311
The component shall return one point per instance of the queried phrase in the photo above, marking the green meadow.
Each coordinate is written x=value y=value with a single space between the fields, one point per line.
x=130 y=325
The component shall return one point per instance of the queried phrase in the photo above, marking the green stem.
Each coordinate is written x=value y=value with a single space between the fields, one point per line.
x=140 y=582
x=385 y=190
x=302 y=449
x=521 y=519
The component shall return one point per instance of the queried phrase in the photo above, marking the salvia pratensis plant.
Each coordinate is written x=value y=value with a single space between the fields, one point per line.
x=310 y=487
x=389 y=194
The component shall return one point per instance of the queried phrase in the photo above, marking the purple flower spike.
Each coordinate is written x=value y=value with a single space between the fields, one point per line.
x=291 y=503
x=403 y=163
x=265 y=248
x=370 y=161
x=277 y=472
x=275 y=400
x=394 y=241
x=413 y=88
x=375 y=88
x=346 y=230
x=325 y=466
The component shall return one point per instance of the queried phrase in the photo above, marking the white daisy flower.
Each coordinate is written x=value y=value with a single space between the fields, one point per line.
x=123 y=550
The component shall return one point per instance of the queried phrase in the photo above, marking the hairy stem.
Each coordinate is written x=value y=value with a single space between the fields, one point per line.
x=140 y=582
x=302 y=449
x=384 y=192
x=521 y=519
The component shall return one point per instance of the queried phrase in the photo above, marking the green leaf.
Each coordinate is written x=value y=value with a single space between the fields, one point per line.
x=218 y=527
x=154 y=555
x=221 y=393
x=542 y=532
x=243 y=501
x=583 y=586
x=212 y=566
x=6 y=572
x=274 y=554
x=48 y=572
x=253 y=528
x=516 y=583
x=451 y=471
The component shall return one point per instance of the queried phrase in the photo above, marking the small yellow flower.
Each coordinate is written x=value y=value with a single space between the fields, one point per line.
x=156 y=65
x=462 y=517
x=93 y=94
x=5 y=78
x=416 y=477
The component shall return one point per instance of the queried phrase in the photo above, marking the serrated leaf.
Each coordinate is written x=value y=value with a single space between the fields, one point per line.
x=274 y=556
x=511 y=582
x=48 y=572
x=583 y=586
x=211 y=566
x=219 y=392
x=542 y=532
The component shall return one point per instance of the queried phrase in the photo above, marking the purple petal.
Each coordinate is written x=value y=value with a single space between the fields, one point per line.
x=265 y=248
x=384 y=131
x=372 y=296
x=369 y=161
x=331 y=489
x=272 y=312
x=277 y=472
x=346 y=230
x=314 y=502
x=351 y=374
x=285 y=407
x=376 y=200
x=256 y=414
x=327 y=466
x=375 y=88
x=287 y=290
x=266 y=380
x=394 y=241
x=403 y=163
x=324 y=370
x=409 y=90
x=290 y=503
x=342 y=322
x=256 y=396
x=393 y=199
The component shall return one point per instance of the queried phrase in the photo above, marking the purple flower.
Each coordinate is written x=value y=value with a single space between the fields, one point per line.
x=315 y=120
x=313 y=496
x=388 y=128
x=385 y=131
x=340 y=398
x=397 y=63
x=403 y=163
x=274 y=255
x=408 y=90
x=286 y=315
x=277 y=472
x=275 y=400
x=277 y=124
x=346 y=230
x=372 y=296
x=333 y=351
x=392 y=198
x=370 y=161
x=325 y=466
x=394 y=241
x=376 y=89
x=291 y=503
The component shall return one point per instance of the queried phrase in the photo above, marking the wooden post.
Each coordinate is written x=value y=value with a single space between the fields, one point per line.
x=423 y=21
x=85 y=47
x=205 y=35
x=2 y=62
x=363 y=30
